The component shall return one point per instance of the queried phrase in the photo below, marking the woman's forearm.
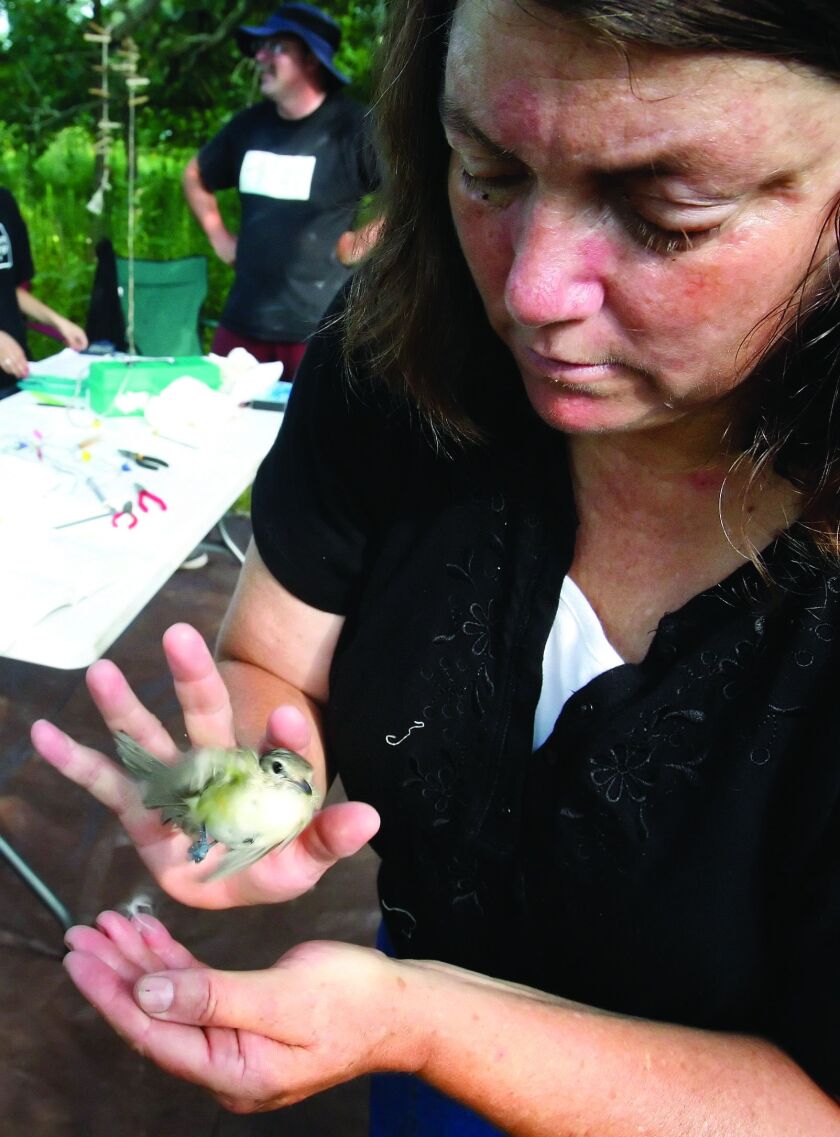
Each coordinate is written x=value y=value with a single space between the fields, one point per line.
x=254 y=693
x=538 y=1066
x=273 y=650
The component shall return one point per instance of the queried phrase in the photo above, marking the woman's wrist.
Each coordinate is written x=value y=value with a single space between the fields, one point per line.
x=406 y=1001
x=433 y=1006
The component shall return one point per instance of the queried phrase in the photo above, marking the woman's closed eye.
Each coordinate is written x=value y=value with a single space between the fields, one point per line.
x=667 y=226
x=659 y=239
x=493 y=188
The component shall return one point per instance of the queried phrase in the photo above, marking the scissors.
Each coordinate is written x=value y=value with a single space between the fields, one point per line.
x=147 y=461
x=143 y=496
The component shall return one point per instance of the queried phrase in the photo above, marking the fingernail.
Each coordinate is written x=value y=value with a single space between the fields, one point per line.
x=155 y=994
x=144 y=923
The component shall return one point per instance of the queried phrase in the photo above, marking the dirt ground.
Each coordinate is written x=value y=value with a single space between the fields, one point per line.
x=65 y=1073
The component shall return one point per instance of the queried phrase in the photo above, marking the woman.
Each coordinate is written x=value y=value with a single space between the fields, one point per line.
x=571 y=627
x=16 y=300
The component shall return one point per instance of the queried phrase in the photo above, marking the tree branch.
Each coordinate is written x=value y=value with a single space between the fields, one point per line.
x=125 y=20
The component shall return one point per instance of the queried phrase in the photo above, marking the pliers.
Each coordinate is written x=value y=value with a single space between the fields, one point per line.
x=143 y=496
x=147 y=461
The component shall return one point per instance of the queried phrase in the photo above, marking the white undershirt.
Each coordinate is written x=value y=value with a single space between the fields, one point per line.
x=575 y=652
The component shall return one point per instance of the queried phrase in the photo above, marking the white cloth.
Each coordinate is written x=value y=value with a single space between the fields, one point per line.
x=575 y=652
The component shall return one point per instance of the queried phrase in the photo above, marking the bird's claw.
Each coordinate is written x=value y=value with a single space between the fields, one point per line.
x=199 y=849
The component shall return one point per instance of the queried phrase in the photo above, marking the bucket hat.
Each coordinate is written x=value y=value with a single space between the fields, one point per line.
x=319 y=32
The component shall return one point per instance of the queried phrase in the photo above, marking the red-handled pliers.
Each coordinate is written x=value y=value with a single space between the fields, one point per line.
x=143 y=497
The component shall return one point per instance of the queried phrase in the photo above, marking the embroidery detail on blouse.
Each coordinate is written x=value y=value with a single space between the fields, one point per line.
x=462 y=875
x=392 y=739
x=410 y=925
x=479 y=628
x=769 y=728
x=460 y=685
x=628 y=770
x=438 y=786
x=617 y=773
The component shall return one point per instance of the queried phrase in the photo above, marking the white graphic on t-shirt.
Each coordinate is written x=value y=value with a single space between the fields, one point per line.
x=286 y=177
x=6 y=258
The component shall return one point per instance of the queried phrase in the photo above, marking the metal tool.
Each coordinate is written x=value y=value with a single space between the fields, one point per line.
x=147 y=461
x=125 y=516
x=112 y=513
x=143 y=497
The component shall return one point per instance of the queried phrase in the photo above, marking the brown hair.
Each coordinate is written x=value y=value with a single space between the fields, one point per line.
x=415 y=315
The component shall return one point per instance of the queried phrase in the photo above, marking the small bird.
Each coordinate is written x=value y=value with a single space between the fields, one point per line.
x=251 y=803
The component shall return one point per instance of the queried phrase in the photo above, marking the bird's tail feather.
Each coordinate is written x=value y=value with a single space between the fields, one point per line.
x=138 y=761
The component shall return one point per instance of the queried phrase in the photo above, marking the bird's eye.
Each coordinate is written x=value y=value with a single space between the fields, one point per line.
x=277 y=767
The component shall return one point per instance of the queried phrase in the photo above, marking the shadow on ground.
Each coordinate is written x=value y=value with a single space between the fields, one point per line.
x=64 y=1073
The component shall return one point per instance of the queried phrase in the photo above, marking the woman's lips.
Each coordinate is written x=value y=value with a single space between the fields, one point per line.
x=570 y=370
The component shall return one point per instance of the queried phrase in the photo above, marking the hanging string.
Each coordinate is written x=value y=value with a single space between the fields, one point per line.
x=134 y=82
x=104 y=127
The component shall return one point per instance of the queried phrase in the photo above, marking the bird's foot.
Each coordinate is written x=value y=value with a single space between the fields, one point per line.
x=199 y=849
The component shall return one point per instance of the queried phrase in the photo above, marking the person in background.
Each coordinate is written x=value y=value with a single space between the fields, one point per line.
x=547 y=568
x=302 y=161
x=17 y=303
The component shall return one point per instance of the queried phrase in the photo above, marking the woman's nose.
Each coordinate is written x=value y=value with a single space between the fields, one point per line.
x=556 y=274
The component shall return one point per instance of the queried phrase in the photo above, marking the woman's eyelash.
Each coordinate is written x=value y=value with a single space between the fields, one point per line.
x=472 y=183
x=484 y=187
x=657 y=239
x=649 y=235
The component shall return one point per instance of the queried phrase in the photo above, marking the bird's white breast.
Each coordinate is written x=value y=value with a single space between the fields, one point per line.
x=255 y=813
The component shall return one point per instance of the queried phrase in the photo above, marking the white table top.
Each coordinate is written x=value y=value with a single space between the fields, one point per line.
x=66 y=594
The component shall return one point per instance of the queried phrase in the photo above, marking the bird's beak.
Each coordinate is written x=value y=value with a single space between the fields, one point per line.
x=303 y=786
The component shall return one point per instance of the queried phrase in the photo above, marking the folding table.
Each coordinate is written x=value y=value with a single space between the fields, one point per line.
x=67 y=593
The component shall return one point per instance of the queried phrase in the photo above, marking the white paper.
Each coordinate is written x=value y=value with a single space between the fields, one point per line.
x=66 y=364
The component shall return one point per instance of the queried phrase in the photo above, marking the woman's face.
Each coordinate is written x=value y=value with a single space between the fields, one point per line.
x=630 y=219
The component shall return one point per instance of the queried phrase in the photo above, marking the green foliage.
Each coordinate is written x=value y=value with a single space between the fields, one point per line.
x=197 y=80
x=52 y=189
x=361 y=26
x=187 y=51
x=68 y=161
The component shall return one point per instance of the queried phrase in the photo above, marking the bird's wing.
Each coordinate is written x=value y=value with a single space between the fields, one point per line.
x=237 y=859
x=203 y=768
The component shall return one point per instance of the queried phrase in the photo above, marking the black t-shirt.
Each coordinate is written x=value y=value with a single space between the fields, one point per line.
x=300 y=182
x=673 y=850
x=16 y=268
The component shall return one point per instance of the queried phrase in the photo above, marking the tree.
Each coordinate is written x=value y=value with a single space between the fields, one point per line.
x=187 y=50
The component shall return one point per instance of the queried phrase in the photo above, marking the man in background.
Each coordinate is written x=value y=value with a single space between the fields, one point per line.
x=301 y=161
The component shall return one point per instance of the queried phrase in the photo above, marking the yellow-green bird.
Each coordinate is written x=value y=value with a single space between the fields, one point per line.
x=249 y=802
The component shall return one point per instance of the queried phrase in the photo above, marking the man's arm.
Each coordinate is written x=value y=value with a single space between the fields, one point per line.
x=206 y=209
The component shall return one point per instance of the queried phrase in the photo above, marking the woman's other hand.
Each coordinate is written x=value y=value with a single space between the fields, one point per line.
x=257 y=1040
x=336 y=832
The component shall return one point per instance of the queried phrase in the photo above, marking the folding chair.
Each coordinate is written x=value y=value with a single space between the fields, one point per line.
x=168 y=296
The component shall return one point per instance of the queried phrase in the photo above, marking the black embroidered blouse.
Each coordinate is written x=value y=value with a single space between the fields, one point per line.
x=673 y=850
